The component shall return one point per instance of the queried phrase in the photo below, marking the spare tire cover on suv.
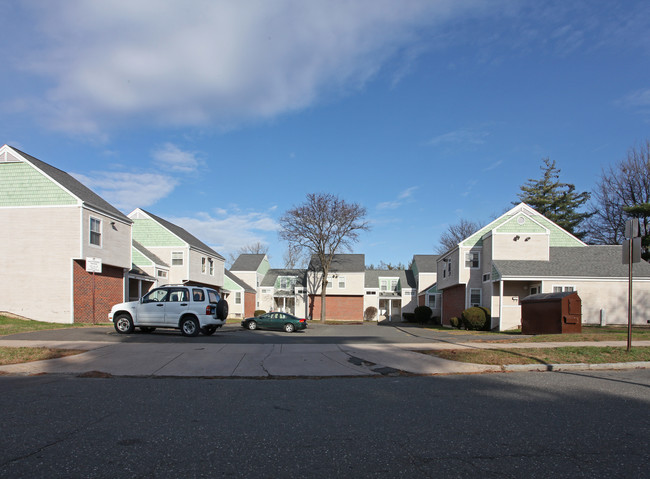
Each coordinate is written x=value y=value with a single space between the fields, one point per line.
x=222 y=309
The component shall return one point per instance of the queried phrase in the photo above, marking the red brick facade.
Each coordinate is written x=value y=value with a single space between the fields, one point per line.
x=109 y=290
x=347 y=308
x=453 y=303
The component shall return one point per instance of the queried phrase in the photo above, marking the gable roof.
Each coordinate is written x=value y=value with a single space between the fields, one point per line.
x=188 y=238
x=247 y=262
x=558 y=236
x=341 y=263
x=88 y=197
x=426 y=263
x=248 y=288
x=568 y=262
x=406 y=277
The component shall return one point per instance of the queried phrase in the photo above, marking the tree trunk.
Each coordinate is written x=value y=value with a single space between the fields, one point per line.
x=323 y=295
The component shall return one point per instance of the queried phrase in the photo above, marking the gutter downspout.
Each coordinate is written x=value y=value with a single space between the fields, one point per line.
x=500 y=303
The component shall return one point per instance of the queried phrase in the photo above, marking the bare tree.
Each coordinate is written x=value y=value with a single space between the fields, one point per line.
x=456 y=233
x=293 y=258
x=323 y=225
x=623 y=185
x=253 y=248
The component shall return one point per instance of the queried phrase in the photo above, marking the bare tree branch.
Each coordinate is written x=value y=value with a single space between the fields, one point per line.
x=323 y=225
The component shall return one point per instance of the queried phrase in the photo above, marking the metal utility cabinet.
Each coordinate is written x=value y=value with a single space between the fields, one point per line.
x=551 y=313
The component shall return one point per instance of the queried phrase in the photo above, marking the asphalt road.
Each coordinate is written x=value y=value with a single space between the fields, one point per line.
x=523 y=425
x=316 y=333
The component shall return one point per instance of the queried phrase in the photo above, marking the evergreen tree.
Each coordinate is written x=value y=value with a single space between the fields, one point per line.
x=558 y=201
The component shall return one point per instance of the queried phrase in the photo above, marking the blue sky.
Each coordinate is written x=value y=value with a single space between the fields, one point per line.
x=220 y=116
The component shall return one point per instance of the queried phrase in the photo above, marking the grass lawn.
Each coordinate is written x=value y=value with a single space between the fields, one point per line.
x=9 y=355
x=589 y=333
x=24 y=355
x=15 y=325
x=564 y=355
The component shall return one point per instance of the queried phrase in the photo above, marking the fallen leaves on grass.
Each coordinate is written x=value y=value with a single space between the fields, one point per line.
x=10 y=355
x=563 y=355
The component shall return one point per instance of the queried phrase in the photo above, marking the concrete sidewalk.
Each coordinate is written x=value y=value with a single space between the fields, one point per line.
x=277 y=360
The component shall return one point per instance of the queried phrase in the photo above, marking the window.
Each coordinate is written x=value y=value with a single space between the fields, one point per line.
x=371 y=292
x=203 y=264
x=472 y=259
x=341 y=282
x=177 y=258
x=95 y=231
x=534 y=290
x=566 y=289
x=329 y=282
x=388 y=284
x=178 y=295
x=475 y=297
x=487 y=277
x=211 y=266
x=198 y=295
x=432 y=301
x=162 y=274
x=238 y=297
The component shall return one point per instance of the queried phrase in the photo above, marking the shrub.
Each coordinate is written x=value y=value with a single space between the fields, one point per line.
x=409 y=317
x=370 y=313
x=455 y=322
x=476 y=319
x=423 y=314
x=436 y=320
x=259 y=312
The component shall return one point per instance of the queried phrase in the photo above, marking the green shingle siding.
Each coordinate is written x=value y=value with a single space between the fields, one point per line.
x=558 y=237
x=139 y=259
x=150 y=234
x=230 y=285
x=22 y=185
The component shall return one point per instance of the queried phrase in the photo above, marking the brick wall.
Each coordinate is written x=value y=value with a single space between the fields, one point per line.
x=249 y=304
x=347 y=308
x=453 y=303
x=109 y=290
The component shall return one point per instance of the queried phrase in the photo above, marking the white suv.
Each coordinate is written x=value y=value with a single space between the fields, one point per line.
x=192 y=309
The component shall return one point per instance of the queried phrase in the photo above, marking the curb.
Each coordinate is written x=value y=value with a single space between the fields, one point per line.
x=575 y=366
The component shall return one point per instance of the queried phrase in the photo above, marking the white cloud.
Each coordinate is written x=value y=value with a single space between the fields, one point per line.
x=226 y=234
x=403 y=197
x=493 y=166
x=128 y=191
x=174 y=159
x=463 y=136
x=211 y=62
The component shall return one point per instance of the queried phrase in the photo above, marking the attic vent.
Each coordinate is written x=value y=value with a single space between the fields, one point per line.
x=7 y=157
x=521 y=220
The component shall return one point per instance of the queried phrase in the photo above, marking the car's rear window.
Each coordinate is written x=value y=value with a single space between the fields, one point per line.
x=213 y=296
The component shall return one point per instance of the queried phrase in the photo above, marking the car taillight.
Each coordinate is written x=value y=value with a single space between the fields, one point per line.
x=208 y=309
x=303 y=320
